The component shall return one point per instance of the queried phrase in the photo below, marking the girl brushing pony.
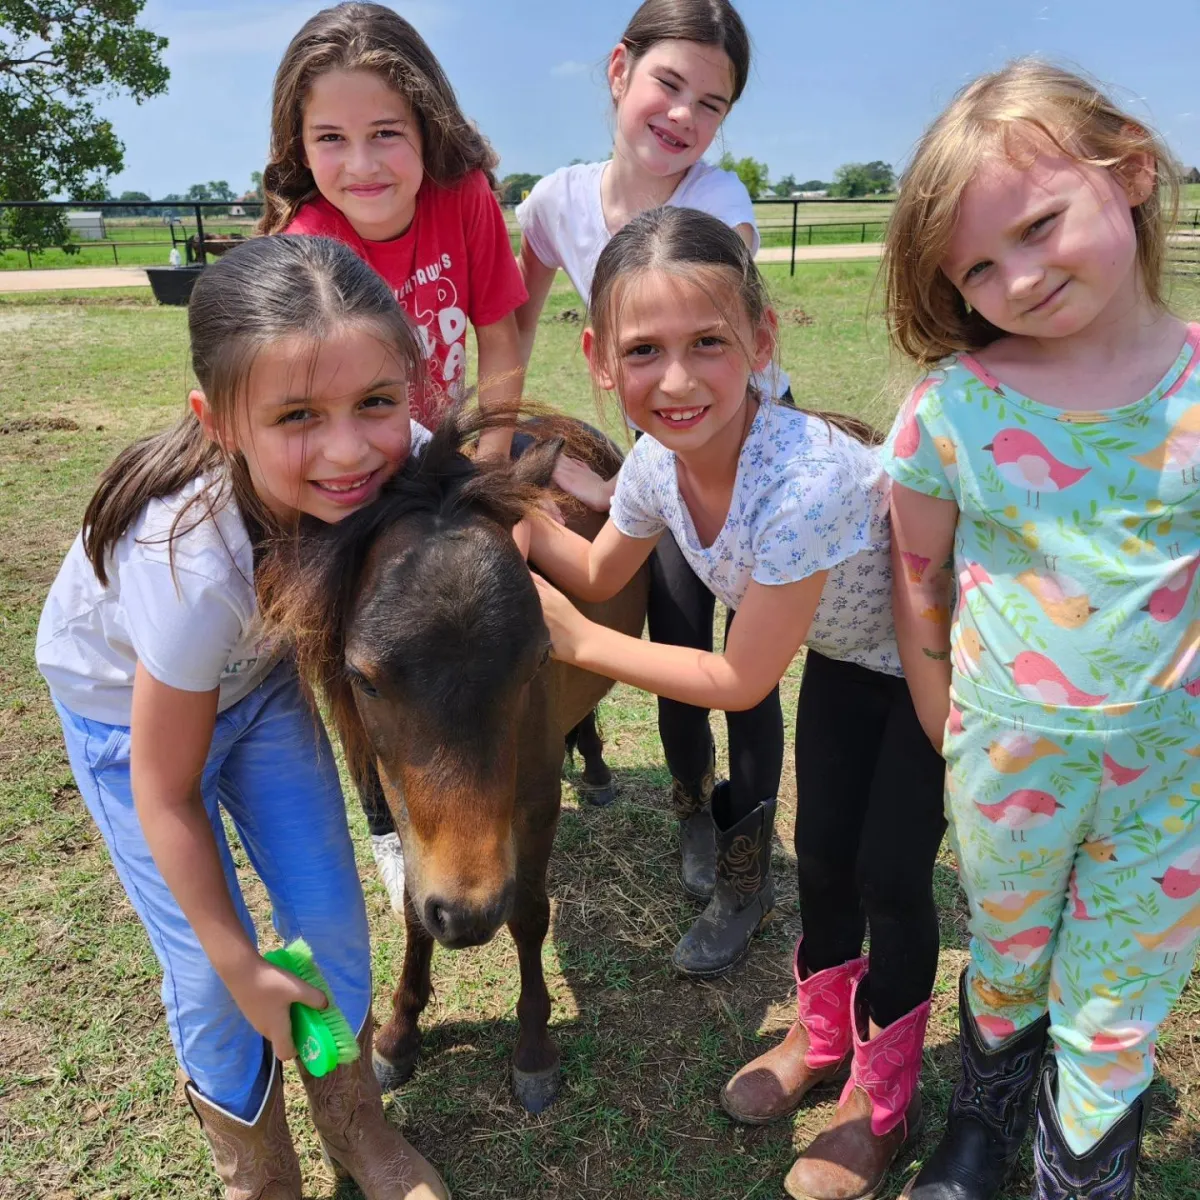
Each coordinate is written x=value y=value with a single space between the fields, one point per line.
x=1047 y=465
x=678 y=70
x=369 y=146
x=173 y=708
x=783 y=515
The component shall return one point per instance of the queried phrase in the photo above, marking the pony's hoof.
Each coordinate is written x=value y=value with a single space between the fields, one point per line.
x=392 y=1075
x=536 y=1090
x=598 y=795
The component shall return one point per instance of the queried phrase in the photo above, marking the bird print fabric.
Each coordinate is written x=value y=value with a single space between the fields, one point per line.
x=1073 y=745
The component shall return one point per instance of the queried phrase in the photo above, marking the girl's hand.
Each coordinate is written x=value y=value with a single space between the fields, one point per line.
x=566 y=623
x=579 y=480
x=521 y=533
x=265 y=995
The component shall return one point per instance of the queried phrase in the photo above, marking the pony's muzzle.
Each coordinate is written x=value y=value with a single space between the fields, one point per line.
x=457 y=925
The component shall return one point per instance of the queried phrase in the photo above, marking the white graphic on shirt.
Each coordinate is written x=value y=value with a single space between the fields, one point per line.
x=444 y=322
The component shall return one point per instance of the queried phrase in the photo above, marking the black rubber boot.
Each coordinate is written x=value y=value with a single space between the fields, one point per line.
x=989 y=1112
x=743 y=898
x=697 y=834
x=1105 y=1172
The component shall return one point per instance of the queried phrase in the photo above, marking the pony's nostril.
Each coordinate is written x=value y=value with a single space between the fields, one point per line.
x=438 y=916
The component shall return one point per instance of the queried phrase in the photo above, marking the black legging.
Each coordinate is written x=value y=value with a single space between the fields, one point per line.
x=680 y=613
x=869 y=820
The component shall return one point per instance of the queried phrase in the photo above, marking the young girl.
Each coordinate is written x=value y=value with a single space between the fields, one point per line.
x=369 y=146
x=174 y=709
x=1047 y=465
x=783 y=515
x=678 y=69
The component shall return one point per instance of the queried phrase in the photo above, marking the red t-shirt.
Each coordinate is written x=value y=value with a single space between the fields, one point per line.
x=452 y=265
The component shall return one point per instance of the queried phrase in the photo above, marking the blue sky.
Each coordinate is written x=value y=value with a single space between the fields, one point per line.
x=832 y=82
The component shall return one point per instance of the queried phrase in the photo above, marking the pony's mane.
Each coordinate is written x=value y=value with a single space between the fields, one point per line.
x=307 y=583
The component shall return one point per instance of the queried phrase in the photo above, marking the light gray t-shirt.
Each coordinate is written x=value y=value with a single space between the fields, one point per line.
x=808 y=497
x=562 y=219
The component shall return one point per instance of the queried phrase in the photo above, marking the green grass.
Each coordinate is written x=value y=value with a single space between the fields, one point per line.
x=90 y=1107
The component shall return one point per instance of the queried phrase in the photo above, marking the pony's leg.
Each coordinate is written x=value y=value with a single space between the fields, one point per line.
x=596 y=785
x=398 y=1043
x=535 y=1067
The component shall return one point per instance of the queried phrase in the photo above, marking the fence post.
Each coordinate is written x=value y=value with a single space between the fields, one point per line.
x=810 y=229
x=863 y=238
x=200 y=237
x=116 y=263
x=795 y=214
x=29 y=259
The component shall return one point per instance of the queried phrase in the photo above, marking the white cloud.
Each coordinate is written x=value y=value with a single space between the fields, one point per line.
x=565 y=70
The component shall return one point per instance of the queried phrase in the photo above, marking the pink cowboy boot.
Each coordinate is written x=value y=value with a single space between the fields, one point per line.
x=879 y=1111
x=817 y=1047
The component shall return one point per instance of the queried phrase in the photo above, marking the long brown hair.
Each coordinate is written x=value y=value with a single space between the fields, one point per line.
x=263 y=291
x=365 y=37
x=708 y=22
x=701 y=249
x=927 y=317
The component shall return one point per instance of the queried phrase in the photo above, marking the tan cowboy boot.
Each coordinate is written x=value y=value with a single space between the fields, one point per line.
x=878 y=1113
x=255 y=1160
x=347 y=1109
x=817 y=1048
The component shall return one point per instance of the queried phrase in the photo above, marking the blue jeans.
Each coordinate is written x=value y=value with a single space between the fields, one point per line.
x=271 y=769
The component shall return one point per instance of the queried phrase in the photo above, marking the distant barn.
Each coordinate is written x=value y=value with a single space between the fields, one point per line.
x=86 y=226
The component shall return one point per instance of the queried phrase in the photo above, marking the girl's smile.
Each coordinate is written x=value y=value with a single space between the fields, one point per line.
x=324 y=425
x=1044 y=248
x=680 y=362
x=363 y=146
x=670 y=103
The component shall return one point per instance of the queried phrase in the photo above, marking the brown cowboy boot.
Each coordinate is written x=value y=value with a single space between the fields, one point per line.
x=817 y=1048
x=880 y=1110
x=255 y=1160
x=347 y=1109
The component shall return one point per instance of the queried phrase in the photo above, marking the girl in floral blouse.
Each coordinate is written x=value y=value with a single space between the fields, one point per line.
x=783 y=515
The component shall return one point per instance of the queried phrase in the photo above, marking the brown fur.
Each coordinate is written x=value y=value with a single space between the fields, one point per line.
x=417 y=621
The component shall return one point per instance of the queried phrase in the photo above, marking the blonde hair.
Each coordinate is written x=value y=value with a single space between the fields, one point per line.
x=927 y=317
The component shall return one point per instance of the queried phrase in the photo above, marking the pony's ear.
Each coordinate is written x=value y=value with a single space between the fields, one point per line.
x=536 y=465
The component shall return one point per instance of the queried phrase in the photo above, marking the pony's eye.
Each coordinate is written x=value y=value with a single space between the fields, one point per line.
x=362 y=684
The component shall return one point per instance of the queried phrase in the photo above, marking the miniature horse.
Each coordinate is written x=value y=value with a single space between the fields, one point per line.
x=418 y=620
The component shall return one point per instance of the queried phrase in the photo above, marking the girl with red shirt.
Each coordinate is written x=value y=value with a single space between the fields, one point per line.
x=370 y=147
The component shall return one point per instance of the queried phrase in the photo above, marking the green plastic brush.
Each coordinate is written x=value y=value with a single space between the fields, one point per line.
x=323 y=1037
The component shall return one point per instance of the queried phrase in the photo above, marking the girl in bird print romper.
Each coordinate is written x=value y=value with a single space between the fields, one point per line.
x=1045 y=535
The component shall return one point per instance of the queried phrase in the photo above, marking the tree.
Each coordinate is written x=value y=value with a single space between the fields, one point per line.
x=56 y=57
x=129 y=197
x=753 y=174
x=863 y=179
x=218 y=189
x=813 y=185
x=786 y=186
x=256 y=184
x=514 y=187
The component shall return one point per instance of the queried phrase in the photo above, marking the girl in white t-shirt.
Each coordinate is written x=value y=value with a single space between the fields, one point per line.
x=784 y=516
x=174 y=708
x=677 y=71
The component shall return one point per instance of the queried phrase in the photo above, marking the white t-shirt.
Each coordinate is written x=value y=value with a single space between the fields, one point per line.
x=563 y=221
x=196 y=629
x=808 y=497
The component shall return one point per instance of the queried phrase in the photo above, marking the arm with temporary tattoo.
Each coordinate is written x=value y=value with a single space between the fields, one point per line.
x=922 y=586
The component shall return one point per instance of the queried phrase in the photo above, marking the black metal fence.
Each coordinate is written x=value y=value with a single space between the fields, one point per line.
x=182 y=225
